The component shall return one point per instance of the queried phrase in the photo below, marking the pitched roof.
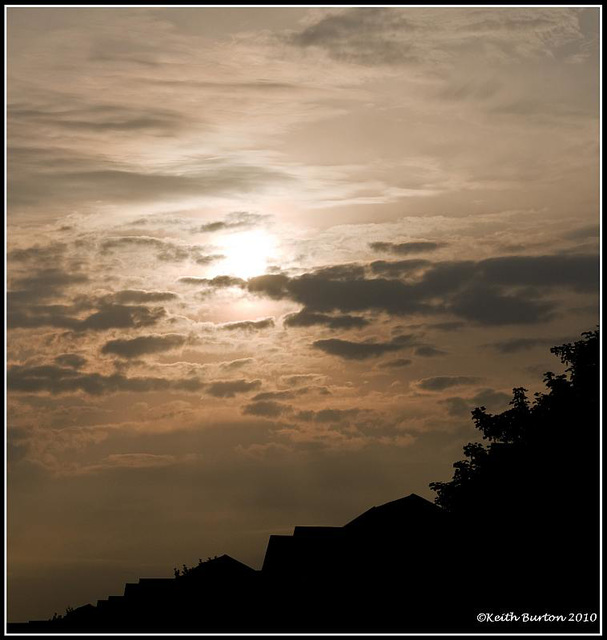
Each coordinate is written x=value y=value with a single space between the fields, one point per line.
x=411 y=511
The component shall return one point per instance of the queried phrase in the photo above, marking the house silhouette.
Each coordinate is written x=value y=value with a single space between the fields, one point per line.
x=400 y=566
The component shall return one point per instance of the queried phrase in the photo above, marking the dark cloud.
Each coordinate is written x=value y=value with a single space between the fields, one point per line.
x=234 y=220
x=406 y=248
x=396 y=36
x=117 y=316
x=396 y=268
x=299 y=379
x=457 y=407
x=341 y=271
x=440 y=383
x=359 y=35
x=47 y=174
x=44 y=284
x=137 y=296
x=305 y=318
x=580 y=272
x=514 y=345
x=273 y=285
x=218 y=282
x=38 y=253
x=249 y=325
x=327 y=415
x=428 y=351
x=275 y=395
x=230 y=388
x=71 y=360
x=488 y=306
x=143 y=345
x=498 y=291
x=447 y=326
x=55 y=380
x=395 y=364
x=24 y=316
x=582 y=233
x=266 y=409
x=165 y=250
x=361 y=350
x=488 y=398
x=100 y=118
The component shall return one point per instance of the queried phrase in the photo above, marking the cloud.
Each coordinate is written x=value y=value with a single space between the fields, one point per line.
x=94 y=179
x=218 y=282
x=306 y=318
x=45 y=283
x=496 y=291
x=166 y=250
x=266 y=409
x=580 y=272
x=488 y=306
x=361 y=350
x=100 y=118
x=237 y=364
x=137 y=296
x=116 y=316
x=230 y=388
x=488 y=398
x=395 y=364
x=71 y=360
x=428 y=351
x=515 y=345
x=299 y=379
x=55 y=380
x=234 y=220
x=396 y=268
x=447 y=326
x=402 y=36
x=327 y=415
x=22 y=314
x=406 y=248
x=440 y=383
x=249 y=325
x=143 y=345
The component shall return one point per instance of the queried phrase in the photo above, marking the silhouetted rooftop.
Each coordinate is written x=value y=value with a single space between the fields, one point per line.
x=410 y=511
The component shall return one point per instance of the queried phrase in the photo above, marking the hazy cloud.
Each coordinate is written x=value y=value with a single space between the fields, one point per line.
x=137 y=296
x=306 y=318
x=55 y=380
x=143 y=345
x=361 y=350
x=440 y=383
x=230 y=388
x=72 y=360
x=266 y=409
x=234 y=220
x=406 y=248
x=395 y=364
x=249 y=325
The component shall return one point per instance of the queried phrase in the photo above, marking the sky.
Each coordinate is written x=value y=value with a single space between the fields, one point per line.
x=263 y=262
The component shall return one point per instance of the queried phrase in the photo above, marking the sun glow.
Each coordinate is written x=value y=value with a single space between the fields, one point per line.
x=247 y=254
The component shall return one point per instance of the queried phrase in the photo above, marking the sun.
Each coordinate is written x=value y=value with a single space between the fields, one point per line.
x=246 y=254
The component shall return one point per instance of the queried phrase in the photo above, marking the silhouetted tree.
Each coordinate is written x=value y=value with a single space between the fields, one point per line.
x=529 y=440
x=532 y=492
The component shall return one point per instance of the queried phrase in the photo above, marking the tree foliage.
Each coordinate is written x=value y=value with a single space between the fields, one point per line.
x=537 y=451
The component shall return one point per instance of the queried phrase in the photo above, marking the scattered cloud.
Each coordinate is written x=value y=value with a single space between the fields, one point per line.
x=440 y=383
x=361 y=350
x=144 y=345
x=230 y=388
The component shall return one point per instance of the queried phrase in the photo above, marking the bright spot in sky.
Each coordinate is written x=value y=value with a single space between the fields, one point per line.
x=247 y=254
